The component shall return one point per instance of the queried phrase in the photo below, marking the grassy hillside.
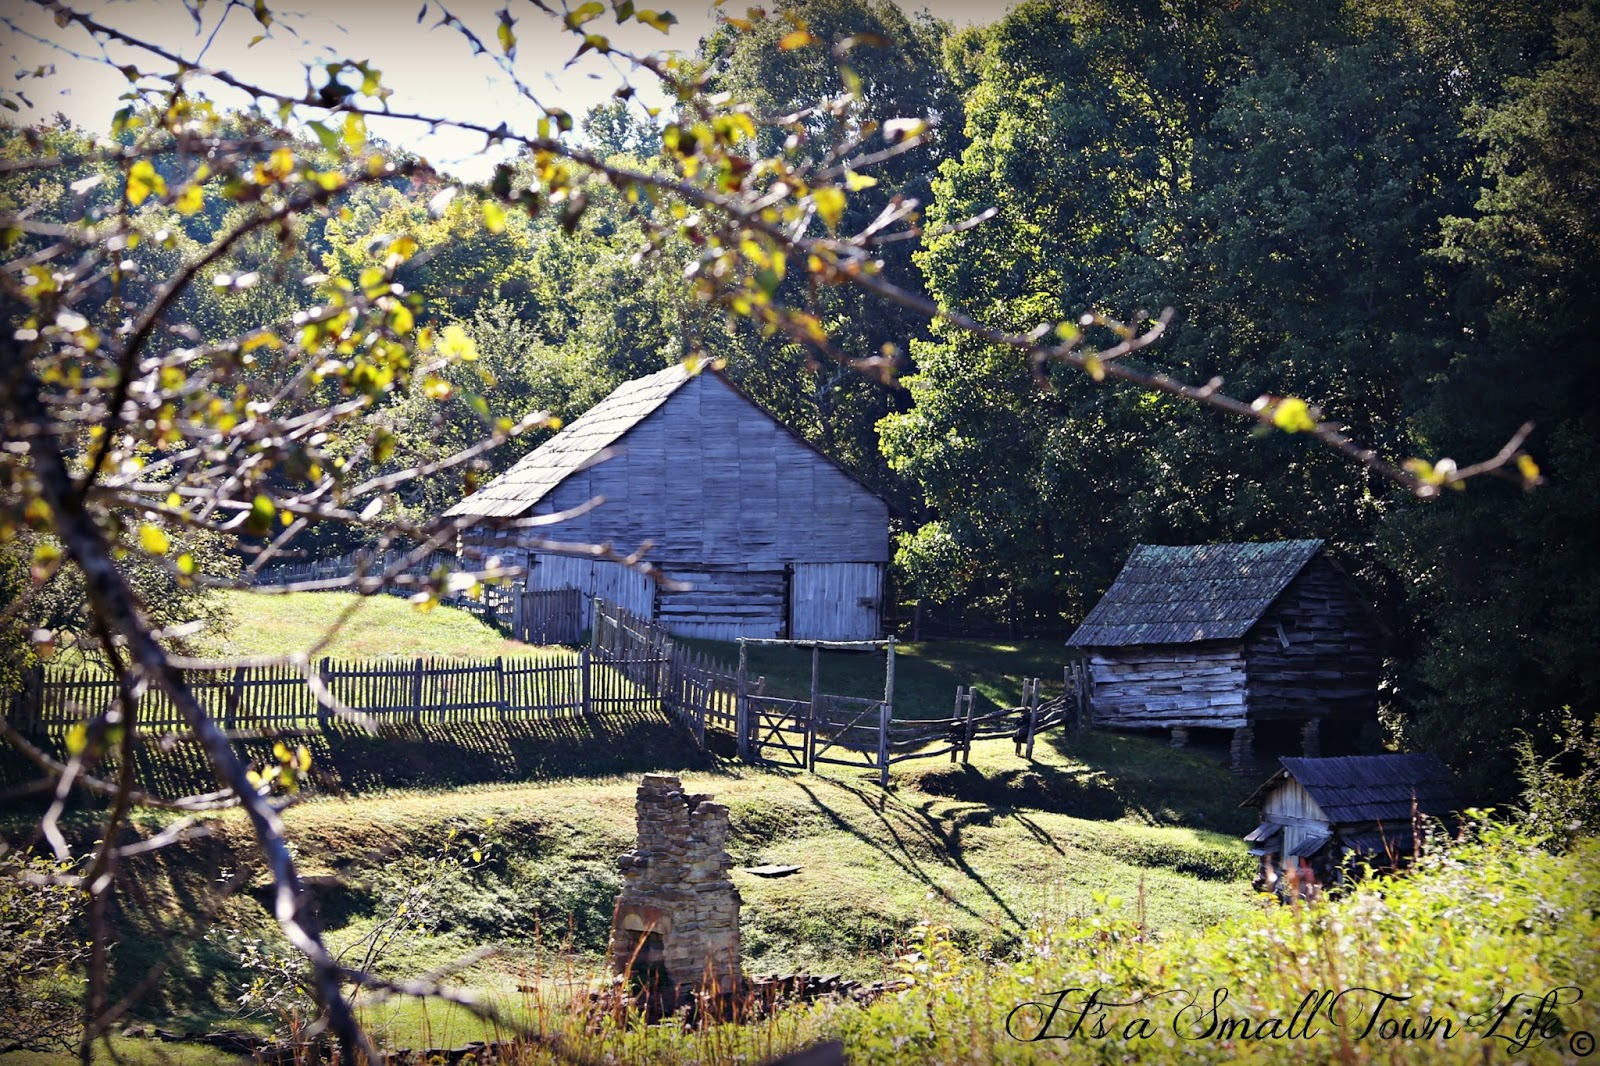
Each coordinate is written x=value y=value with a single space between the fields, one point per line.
x=376 y=627
x=989 y=850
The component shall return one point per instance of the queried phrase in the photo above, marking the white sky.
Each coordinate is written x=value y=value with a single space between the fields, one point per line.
x=431 y=70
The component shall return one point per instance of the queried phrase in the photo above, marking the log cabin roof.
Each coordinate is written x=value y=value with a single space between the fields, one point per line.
x=1180 y=595
x=589 y=437
x=1352 y=789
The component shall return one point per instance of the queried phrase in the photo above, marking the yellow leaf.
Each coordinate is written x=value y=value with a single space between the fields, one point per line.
x=454 y=343
x=856 y=182
x=143 y=181
x=662 y=21
x=1095 y=367
x=795 y=39
x=437 y=388
x=153 y=539
x=281 y=164
x=401 y=320
x=77 y=738
x=355 y=131
x=1293 y=415
x=494 y=217
x=190 y=200
x=1527 y=468
x=303 y=758
x=830 y=205
x=186 y=564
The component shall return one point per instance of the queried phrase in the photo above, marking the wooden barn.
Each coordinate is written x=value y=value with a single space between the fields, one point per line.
x=774 y=538
x=1253 y=638
x=1316 y=813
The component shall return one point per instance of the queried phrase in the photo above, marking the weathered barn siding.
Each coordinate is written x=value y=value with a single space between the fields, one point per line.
x=836 y=601
x=612 y=582
x=775 y=539
x=1144 y=687
x=1315 y=652
x=1292 y=807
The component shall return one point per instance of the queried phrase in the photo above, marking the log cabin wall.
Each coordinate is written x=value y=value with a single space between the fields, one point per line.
x=1165 y=686
x=1315 y=653
x=734 y=504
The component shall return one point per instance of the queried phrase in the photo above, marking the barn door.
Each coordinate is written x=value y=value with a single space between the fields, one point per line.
x=836 y=601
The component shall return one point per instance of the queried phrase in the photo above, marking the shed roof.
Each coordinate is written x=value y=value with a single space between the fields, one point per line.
x=1179 y=595
x=1369 y=788
x=580 y=444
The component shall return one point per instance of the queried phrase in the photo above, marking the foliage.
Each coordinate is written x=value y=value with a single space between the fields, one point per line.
x=1561 y=791
x=42 y=950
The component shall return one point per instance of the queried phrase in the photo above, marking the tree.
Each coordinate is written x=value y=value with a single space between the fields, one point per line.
x=128 y=428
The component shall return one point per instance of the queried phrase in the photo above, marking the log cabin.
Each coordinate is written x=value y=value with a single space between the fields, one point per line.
x=1267 y=639
x=1318 y=813
x=771 y=537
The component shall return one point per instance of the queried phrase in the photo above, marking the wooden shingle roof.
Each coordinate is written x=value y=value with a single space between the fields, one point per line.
x=1179 y=595
x=579 y=445
x=1370 y=788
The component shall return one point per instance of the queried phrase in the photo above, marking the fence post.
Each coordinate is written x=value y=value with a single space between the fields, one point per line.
x=416 y=695
x=1032 y=716
x=585 y=667
x=741 y=706
x=324 y=672
x=594 y=624
x=500 y=687
x=811 y=709
x=966 y=747
x=955 y=720
x=885 y=716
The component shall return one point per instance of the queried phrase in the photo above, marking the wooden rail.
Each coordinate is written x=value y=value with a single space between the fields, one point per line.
x=708 y=696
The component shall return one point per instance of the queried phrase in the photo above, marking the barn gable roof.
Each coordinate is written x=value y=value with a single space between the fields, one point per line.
x=1180 y=595
x=1369 y=788
x=578 y=445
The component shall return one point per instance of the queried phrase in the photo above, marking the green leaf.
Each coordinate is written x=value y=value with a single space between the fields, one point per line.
x=259 y=523
x=328 y=138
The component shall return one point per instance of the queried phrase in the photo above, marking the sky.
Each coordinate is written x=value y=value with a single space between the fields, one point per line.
x=430 y=68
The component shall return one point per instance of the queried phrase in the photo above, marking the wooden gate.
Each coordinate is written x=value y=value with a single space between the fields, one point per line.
x=548 y=616
x=848 y=731
x=781 y=729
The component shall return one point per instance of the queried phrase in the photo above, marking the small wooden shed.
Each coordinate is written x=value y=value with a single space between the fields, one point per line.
x=774 y=538
x=1243 y=637
x=1316 y=813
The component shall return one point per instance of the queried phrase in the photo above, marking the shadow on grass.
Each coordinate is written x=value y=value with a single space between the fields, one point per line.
x=346 y=759
x=1105 y=777
x=920 y=827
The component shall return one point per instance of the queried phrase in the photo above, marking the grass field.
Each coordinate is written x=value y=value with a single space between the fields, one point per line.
x=377 y=627
x=508 y=838
x=990 y=849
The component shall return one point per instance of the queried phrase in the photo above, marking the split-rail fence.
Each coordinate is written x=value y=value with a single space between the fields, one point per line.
x=707 y=696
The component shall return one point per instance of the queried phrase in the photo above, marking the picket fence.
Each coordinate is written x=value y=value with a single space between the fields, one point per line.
x=283 y=698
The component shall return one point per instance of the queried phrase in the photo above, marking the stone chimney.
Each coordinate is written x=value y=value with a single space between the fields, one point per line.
x=676 y=925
